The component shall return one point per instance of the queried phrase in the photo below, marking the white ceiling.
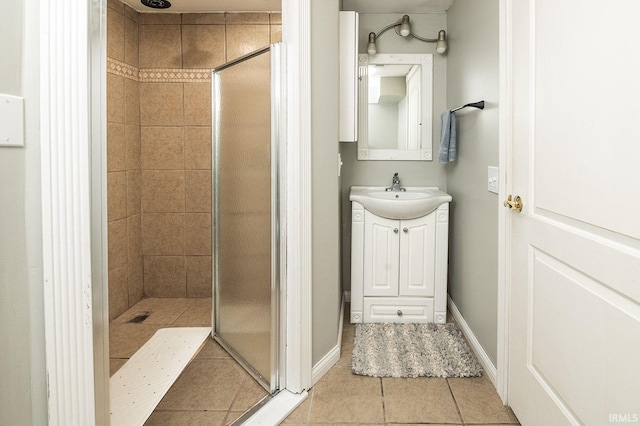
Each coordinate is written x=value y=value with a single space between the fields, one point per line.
x=203 y=6
x=397 y=6
x=366 y=6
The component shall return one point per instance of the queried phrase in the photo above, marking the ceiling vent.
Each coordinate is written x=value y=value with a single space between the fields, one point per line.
x=156 y=4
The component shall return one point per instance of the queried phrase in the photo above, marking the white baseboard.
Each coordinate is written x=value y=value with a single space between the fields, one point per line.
x=489 y=369
x=341 y=323
x=324 y=365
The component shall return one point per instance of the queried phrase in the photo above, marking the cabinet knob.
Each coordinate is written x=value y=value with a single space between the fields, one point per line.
x=395 y=230
x=399 y=313
x=405 y=230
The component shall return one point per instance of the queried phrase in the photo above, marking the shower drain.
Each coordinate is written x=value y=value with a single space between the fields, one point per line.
x=140 y=317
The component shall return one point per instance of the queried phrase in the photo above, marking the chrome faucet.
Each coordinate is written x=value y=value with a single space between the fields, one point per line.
x=395 y=184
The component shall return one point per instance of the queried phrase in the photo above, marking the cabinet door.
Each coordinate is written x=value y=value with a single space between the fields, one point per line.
x=348 y=76
x=417 y=256
x=381 y=252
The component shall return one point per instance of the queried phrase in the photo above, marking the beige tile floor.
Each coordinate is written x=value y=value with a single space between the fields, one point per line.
x=343 y=398
x=212 y=390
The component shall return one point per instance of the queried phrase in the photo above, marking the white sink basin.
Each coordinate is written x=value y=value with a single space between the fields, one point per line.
x=410 y=204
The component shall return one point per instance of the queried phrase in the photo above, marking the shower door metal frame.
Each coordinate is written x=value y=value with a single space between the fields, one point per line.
x=278 y=236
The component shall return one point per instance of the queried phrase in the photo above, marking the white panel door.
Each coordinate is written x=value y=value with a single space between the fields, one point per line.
x=381 y=255
x=574 y=320
x=417 y=256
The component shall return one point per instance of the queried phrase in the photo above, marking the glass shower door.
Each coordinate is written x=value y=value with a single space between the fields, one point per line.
x=245 y=202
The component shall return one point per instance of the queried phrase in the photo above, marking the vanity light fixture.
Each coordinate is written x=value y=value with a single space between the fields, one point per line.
x=403 y=29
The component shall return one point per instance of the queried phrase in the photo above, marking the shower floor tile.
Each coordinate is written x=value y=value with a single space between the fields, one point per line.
x=161 y=418
x=161 y=311
x=205 y=385
x=126 y=339
x=197 y=314
x=212 y=390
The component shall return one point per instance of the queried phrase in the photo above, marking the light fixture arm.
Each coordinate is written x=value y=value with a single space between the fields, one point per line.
x=428 y=40
x=405 y=31
x=388 y=27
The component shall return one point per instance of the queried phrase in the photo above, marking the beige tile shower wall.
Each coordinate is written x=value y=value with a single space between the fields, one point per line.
x=123 y=160
x=176 y=54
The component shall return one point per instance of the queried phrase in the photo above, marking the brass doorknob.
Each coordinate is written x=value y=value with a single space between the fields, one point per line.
x=515 y=204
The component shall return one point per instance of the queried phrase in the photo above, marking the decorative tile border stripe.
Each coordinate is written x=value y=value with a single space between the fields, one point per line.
x=158 y=75
x=124 y=70
x=172 y=75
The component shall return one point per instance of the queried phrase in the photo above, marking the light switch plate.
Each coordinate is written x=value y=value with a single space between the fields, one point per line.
x=492 y=179
x=11 y=120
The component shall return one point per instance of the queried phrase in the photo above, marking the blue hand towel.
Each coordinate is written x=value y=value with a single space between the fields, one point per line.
x=447 y=137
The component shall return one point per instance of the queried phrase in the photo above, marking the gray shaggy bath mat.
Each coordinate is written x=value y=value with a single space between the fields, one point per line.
x=412 y=350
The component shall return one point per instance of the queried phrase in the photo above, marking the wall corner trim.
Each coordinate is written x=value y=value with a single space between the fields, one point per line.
x=296 y=35
x=66 y=220
x=489 y=369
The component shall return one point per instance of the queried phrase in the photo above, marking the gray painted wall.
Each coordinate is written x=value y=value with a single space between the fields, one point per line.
x=412 y=173
x=473 y=75
x=326 y=211
x=11 y=47
x=23 y=399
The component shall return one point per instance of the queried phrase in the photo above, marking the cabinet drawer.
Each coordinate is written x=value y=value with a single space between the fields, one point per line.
x=398 y=309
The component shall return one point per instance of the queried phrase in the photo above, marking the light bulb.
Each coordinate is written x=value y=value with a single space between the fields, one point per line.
x=405 y=27
x=441 y=45
x=371 y=47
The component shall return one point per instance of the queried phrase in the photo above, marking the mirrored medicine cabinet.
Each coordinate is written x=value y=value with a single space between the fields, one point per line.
x=395 y=107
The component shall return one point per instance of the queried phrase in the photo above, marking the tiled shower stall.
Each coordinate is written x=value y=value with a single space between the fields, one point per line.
x=159 y=145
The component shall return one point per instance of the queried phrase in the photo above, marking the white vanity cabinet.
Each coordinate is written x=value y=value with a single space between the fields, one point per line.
x=399 y=267
x=398 y=260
